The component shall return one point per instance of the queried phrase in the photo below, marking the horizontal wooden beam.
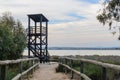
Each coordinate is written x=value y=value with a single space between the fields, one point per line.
x=6 y=62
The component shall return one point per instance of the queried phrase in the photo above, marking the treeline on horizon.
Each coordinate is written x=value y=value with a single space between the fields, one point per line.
x=81 y=48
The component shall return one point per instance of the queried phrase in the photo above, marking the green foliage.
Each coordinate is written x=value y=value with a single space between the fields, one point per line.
x=6 y=41
x=13 y=70
x=110 y=13
x=93 y=71
x=11 y=73
x=12 y=38
x=60 y=68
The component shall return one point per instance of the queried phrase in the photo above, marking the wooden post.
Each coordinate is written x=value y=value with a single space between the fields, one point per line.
x=104 y=76
x=34 y=62
x=59 y=60
x=32 y=65
x=62 y=60
x=35 y=37
x=3 y=72
x=66 y=61
x=20 y=69
x=0 y=72
x=47 y=38
x=66 y=64
x=28 y=37
x=41 y=40
x=71 y=67
x=38 y=65
x=81 y=69
x=31 y=71
x=28 y=65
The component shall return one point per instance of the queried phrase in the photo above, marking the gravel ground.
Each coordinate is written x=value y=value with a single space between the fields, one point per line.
x=47 y=72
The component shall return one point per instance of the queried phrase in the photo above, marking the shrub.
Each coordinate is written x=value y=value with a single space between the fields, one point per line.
x=12 y=38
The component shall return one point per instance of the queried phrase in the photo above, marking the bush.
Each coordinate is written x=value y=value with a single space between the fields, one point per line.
x=60 y=68
x=12 y=38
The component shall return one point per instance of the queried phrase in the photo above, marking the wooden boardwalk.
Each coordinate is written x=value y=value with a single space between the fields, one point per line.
x=47 y=72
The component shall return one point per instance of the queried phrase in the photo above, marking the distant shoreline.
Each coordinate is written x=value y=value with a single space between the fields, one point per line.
x=79 y=48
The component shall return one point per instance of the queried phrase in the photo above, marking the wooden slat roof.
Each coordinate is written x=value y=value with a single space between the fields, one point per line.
x=38 y=17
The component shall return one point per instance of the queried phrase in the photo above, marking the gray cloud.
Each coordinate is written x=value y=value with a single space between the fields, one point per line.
x=71 y=31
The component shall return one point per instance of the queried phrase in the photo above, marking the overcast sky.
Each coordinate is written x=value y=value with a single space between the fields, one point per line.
x=72 y=23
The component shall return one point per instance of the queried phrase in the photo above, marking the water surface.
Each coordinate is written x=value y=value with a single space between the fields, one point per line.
x=81 y=52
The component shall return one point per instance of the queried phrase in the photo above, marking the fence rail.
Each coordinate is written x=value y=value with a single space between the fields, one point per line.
x=32 y=63
x=65 y=60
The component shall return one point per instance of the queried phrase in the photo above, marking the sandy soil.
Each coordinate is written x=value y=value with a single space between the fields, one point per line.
x=47 y=72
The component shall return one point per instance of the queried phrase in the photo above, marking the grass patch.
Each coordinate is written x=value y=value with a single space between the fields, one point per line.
x=60 y=68
x=11 y=73
x=13 y=70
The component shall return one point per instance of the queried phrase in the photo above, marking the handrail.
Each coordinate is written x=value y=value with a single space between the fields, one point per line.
x=103 y=66
x=25 y=72
x=77 y=72
x=6 y=62
x=30 y=67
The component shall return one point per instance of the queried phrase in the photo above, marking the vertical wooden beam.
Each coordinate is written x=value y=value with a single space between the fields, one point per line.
x=40 y=39
x=60 y=60
x=29 y=36
x=65 y=67
x=35 y=39
x=32 y=65
x=3 y=72
x=0 y=72
x=47 y=39
x=81 y=68
x=35 y=61
x=20 y=69
x=104 y=76
x=65 y=61
x=28 y=65
x=71 y=67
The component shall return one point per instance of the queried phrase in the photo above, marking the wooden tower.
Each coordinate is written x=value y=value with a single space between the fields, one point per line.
x=38 y=36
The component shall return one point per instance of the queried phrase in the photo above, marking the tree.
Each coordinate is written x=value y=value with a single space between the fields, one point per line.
x=110 y=13
x=12 y=37
x=6 y=42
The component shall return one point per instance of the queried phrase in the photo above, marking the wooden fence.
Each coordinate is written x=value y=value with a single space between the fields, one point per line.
x=32 y=64
x=104 y=66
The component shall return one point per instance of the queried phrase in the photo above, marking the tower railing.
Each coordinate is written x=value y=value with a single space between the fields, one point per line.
x=32 y=29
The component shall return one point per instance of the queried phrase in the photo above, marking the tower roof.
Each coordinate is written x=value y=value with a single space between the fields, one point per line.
x=38 y=17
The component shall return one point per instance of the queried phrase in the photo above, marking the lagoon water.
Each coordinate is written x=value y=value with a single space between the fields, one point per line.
x=81 y=52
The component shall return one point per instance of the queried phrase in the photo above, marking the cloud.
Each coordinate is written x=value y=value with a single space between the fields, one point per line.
x=71 y=22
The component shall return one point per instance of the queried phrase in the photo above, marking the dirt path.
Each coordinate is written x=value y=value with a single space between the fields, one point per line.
x=47 y=72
